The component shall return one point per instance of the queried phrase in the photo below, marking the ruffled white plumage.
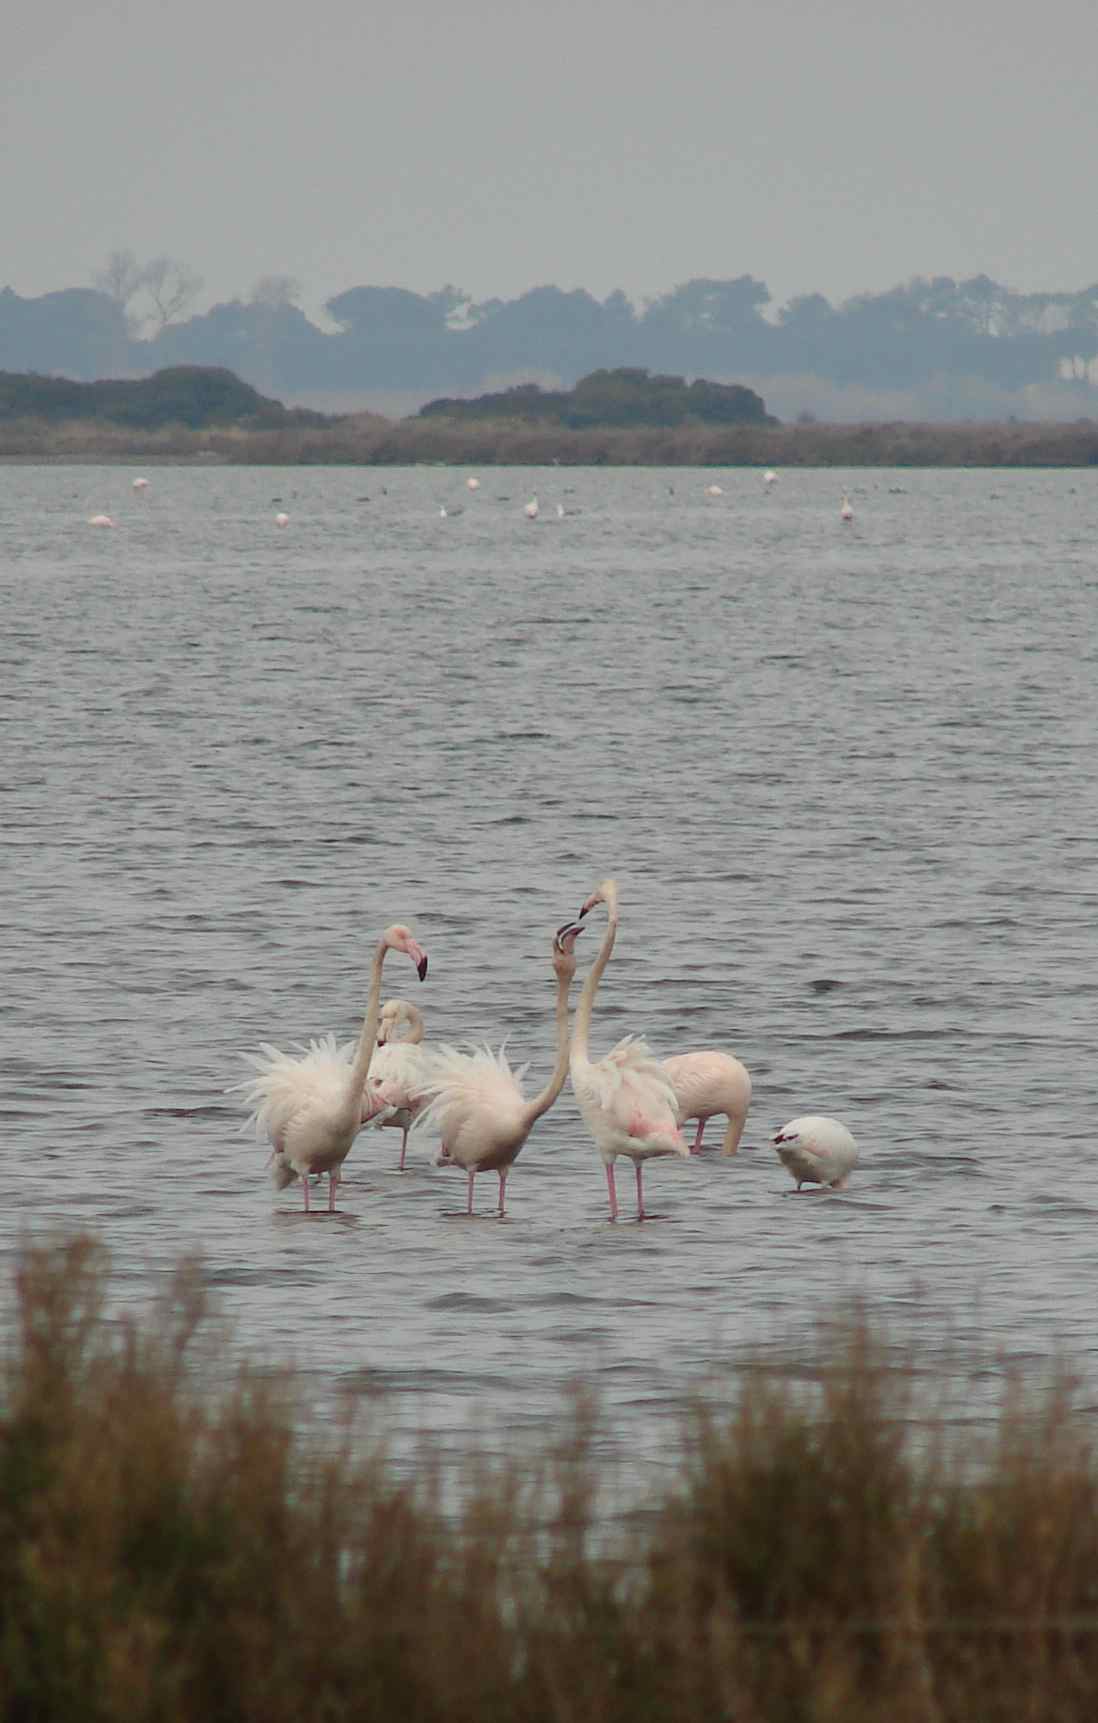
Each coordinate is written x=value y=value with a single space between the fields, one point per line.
x=629 y=1102
x=290 y=1090
x=474 y=1097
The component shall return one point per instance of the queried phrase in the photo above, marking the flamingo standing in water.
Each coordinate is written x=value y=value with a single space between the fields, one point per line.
x=397 y=1071
x=531 y=509
x=627 y=1098
x=846 y=508
x=310 y=1106
x=483 y=1116
x=707 y=1084
x=817 y=1151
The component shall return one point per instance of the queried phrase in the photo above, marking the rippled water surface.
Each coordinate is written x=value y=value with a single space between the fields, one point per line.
x=845 y=775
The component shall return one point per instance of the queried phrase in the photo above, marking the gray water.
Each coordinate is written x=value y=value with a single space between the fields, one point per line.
x=845 y=776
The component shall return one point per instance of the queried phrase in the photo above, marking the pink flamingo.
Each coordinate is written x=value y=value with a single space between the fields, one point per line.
x=817 y=1151
x=707 y=1084
x=397 y=1071
x=627 y=1098
x=477 y=1099
x=310 y=1106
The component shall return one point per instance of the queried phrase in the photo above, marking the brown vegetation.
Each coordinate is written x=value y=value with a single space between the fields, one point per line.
x=364 y=440
x=170 y=1551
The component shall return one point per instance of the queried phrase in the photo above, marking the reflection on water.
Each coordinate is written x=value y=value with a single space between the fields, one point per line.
x=843 y=774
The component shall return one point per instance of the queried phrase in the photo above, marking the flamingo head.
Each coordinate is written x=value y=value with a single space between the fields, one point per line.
x=564 y=948
x=395 y=1012
x=606 y=893
x=400 y=938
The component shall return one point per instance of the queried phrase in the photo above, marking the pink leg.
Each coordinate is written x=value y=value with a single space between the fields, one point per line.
x=403 y=1146
x=639 y=1169
x=612 y=1191
x=305 y=1188
x=502 y=1183
x=469 y=1200
x=695 y=1147
x=333 y=1180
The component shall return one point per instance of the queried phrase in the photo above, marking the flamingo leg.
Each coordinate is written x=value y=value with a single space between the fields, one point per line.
x=610 y=1188
x=333 y=1180
x=695 y=1147
x=305 y=1188
x=403 y=1146
x=469 y=1199
x=638 y=1167
x=502 y=1184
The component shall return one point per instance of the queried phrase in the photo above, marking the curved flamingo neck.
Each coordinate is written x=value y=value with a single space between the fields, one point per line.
x=582 y=1027
x=542 y=1103
x=367 y=1040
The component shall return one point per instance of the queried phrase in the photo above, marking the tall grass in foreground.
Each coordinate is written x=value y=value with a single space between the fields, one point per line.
x=168 y=1552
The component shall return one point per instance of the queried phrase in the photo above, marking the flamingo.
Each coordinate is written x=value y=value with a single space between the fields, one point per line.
x=483 y=1116
x=846 y=511
x=282 y=519
x=817 y=1151
x=709 y=1083
x=713 y=491
x=770 y=477
x=140 y=484
x=397 y=1071
x=472 y=484
x=531 y=510
x=100 y=520
x=310 y=1106
x=627 y=1098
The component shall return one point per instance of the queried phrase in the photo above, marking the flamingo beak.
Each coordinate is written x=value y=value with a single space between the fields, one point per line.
x=421 y=964
x=566 y=936
x=590 y=904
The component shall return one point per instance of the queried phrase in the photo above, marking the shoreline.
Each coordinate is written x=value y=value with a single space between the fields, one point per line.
x=447 y=443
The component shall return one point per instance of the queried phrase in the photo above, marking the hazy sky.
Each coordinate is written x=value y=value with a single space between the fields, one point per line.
x=823 y=145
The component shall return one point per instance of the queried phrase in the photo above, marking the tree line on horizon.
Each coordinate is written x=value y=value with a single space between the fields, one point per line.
x=137 y=319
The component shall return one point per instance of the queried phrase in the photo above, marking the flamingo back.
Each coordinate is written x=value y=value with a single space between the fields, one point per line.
x=288 y=1084
x=478 y=1090
x=398 y=1071
x=709 y=1082
x=629 y=1095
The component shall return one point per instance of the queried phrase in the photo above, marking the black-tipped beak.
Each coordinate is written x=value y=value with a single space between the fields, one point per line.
x=421 y=969
x=574 y=928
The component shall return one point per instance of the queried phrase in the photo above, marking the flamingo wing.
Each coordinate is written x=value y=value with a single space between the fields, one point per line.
x=475 y=1098
x=289 y=1087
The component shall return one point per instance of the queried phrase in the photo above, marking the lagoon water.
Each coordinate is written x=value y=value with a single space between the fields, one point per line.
x=846 y=778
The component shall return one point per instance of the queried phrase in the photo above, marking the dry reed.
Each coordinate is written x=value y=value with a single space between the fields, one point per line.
x=172 y=1550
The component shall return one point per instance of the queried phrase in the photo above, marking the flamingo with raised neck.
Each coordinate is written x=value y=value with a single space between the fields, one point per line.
x=627 y=1098
x=477 y=1099
x=310 y=1105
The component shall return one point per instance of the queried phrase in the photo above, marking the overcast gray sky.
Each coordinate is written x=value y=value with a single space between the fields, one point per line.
x=835 y=146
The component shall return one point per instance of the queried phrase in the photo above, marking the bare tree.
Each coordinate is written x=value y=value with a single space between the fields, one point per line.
x=120 y=278
x=171 y=286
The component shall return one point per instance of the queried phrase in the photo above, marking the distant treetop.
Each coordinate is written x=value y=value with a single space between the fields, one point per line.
x=629 y=395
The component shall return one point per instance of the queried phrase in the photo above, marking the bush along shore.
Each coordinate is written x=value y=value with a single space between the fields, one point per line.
x=365 y=440
x=610 y=418
x=177 y=1545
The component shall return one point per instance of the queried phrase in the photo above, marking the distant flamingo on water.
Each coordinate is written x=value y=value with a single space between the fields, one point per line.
x=397 y=1071
x=310 y=1106
x=627 y=1098
x=708 y=1084
x=531 y=510
x=817 y=1151
x=846 y=508
x=477 y=1100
